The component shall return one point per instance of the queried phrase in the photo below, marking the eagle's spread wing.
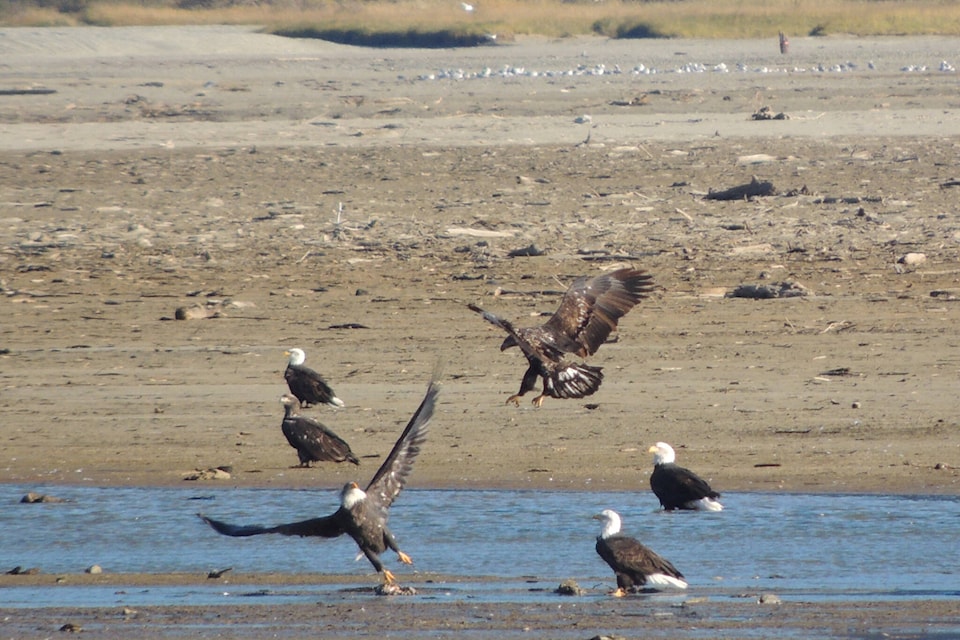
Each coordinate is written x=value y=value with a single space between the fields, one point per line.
x=392 y=475
x=322 y=444
x=591 y=308
x=628 y=555
x=532 y=341
x=326 y=527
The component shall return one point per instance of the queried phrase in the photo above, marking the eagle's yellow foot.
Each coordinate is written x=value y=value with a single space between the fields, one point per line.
x=404 y=558
x=619 y=593
x=539 y=400
x=514 y=399
x=388 y=577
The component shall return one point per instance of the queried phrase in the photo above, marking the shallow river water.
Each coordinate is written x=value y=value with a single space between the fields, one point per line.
x=501 y=545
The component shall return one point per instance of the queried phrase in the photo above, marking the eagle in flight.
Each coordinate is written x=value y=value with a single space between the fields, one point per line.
x=363 y=513
x=588 y=313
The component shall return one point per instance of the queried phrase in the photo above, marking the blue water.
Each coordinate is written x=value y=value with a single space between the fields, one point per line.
x=816 y=545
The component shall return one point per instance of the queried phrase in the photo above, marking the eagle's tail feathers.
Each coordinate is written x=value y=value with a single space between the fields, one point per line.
x=573 y=381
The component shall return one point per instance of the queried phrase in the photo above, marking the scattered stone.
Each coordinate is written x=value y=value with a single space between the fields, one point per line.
x=128 y=612
x=855 y=405
x=786 y=289
x=208 y=474
x=768 y=598
x=36 y=498
x=197 y=312
x=94 y=569
x=569 y=587
x=70 y=627
x=394 y=590
x=912 y=259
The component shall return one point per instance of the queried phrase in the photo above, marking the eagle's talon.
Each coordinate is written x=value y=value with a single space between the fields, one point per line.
x=514 y=399
x=404 y=558
x=619 y=593
x=388 y=577
x=539 y=400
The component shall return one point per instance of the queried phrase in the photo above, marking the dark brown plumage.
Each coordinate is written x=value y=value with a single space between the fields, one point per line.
x=634 y=564
x=678 y=487
x=306 y=384
x=313 y=441
x=588 y=313
x=362 y=514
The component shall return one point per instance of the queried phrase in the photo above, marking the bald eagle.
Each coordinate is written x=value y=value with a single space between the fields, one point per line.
x=306 y=384
x=677 y=487
x=313 y=441
x=588 y=313
x=634 y=564
x=363 y=513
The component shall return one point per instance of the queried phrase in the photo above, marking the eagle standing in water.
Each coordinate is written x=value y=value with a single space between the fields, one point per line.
x=677 y=487
x=363 y=513
x=306 y=384
x=313 y=441
x=588 y=313
x=634 y=564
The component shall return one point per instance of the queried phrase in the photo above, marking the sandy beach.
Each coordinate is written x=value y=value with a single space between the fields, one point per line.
x=352 y=202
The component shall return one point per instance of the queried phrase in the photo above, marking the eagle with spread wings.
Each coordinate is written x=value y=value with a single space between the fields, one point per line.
x=362 y=513
x=588 y=313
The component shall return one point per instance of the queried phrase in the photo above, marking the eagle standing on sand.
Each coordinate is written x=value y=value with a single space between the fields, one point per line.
x=588 y=313
x=677 y=487
x=313 y=441
x=363 y=513
x=634 y=564
x=306 y=384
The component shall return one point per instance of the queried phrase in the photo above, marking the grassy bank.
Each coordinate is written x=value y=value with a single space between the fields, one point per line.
x=449 y=23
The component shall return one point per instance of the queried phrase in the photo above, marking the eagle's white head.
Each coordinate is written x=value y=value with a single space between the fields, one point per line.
x=351 y=495
x=297 y=356
x=663 y=453
x=609 y=523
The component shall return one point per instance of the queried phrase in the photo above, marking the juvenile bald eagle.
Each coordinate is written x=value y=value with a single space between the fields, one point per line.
x=677 y=487
x=363 y=513
x=588 y=313
x=634 y=564
x=306 y=384
x=313 y=441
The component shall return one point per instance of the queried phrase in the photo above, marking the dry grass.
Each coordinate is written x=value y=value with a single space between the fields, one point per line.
x=554 y=18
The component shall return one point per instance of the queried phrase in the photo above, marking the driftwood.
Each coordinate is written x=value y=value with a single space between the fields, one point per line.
x=753 y=189
x=26 y=92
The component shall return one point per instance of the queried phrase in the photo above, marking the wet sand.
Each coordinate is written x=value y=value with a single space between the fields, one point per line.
x=345 y=201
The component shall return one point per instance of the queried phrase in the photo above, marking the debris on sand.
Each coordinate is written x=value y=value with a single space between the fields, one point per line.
x=38 y=498
x=766 y=113
x=216 y=473
x=786 y=289
x=752 y=189
x=569 y=587
x=394 y=590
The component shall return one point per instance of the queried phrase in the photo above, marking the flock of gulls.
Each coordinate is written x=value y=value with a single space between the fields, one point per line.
x=588 y=313
x=640 y=69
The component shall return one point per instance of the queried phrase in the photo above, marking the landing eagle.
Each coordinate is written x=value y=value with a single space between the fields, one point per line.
x=363 y=513
x=588 y=313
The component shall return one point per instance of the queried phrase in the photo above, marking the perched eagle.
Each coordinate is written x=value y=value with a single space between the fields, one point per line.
x=363 y=513
x=305 y=383
x=313 y=441
x=679 y=488
x=634 y=564
x=588 y=313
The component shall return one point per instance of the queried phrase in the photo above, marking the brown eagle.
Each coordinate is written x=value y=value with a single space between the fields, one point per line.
x=306 y=384
x=634 y=564
x=363 y=513
x=588 y=313
x=313 y=441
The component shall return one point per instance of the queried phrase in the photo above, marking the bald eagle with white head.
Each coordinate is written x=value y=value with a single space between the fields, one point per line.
x=306 y=384
x=588 y=314
x=363 y=513
x=636 y=566
x=677 y=487
x=313 y=441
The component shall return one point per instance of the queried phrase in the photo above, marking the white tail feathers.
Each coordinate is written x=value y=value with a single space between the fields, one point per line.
x=663 y=580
